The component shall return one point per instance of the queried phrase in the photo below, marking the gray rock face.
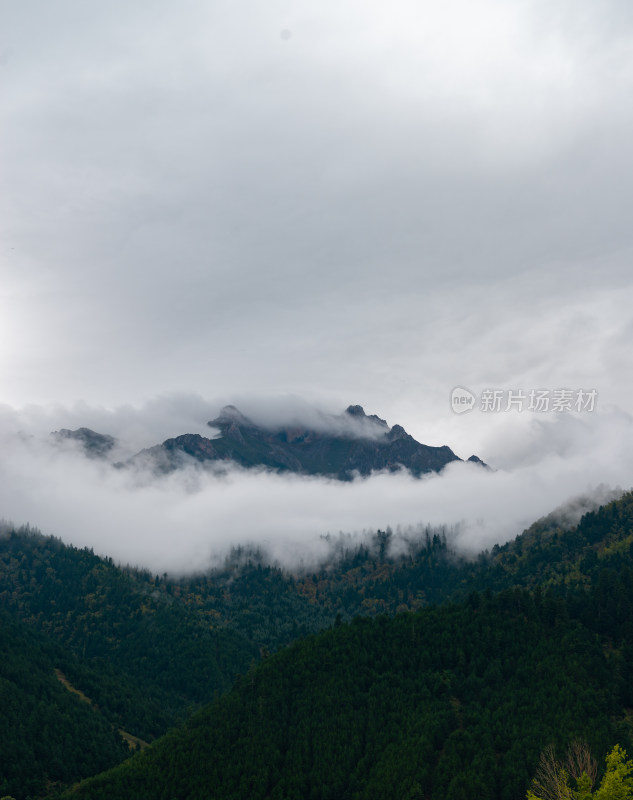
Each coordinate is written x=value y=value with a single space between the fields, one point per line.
x=343 y=447
x=357 y=444
x=95 y=445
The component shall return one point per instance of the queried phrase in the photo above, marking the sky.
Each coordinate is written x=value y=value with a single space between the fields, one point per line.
x=282 y=205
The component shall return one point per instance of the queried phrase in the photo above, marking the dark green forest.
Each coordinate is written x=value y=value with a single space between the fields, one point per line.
x=451 y=702
x=141 y=655
x=433 y=675
x=47 y=734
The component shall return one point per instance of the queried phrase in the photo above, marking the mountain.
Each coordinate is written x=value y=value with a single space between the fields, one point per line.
x=389 y=574
x=49 y=733
x=451 y=703
x=552 y=659
x=343 y=446
x=93 y=444
x=143 y=656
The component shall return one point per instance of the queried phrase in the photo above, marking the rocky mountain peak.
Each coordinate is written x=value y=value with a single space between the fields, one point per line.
x=95 y=445
x=228 y=416
x=397 y=432
x=340 y=446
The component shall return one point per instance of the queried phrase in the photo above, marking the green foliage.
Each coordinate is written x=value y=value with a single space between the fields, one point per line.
x=442 y=703
x=47 y=734
x=451 y=702
x=138 y=652
x=555 y=781
x=617 y=783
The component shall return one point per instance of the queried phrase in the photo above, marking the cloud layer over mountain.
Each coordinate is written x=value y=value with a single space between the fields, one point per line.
x=189 y=519
x=348 y=203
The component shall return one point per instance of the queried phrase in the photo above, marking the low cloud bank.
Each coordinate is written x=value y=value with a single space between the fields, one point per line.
x=188 y=520
x=172 y=414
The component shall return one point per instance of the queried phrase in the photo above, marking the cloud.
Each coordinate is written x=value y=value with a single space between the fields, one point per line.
x=192 y=203
x=135 y=427
x=172 y=414
x=382 y=206
x=188 y=520
x=291 y=411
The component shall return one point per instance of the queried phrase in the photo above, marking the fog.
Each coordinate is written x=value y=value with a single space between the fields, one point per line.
x=188 y=520
x=300 y=208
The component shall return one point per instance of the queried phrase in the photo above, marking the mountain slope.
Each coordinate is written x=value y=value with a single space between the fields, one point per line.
x=142 y=655
x=558 y=556
x=47 y=733
x=349 y=445
x=387 y=574
x=453 y=702
x=146 y=649
x=93 y=445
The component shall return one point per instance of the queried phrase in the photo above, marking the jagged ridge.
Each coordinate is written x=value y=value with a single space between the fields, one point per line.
x=357 y=444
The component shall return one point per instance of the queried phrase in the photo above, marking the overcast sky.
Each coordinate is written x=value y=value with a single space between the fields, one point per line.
x=351 y=202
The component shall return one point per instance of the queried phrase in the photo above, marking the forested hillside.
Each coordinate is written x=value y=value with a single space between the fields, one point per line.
x=386 y=574
x=47 y=733
x=141 y=655
x=148 y=650
x=553 y=556
x=451 y=702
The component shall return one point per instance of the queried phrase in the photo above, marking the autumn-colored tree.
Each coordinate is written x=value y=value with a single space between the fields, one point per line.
x=574 y=778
